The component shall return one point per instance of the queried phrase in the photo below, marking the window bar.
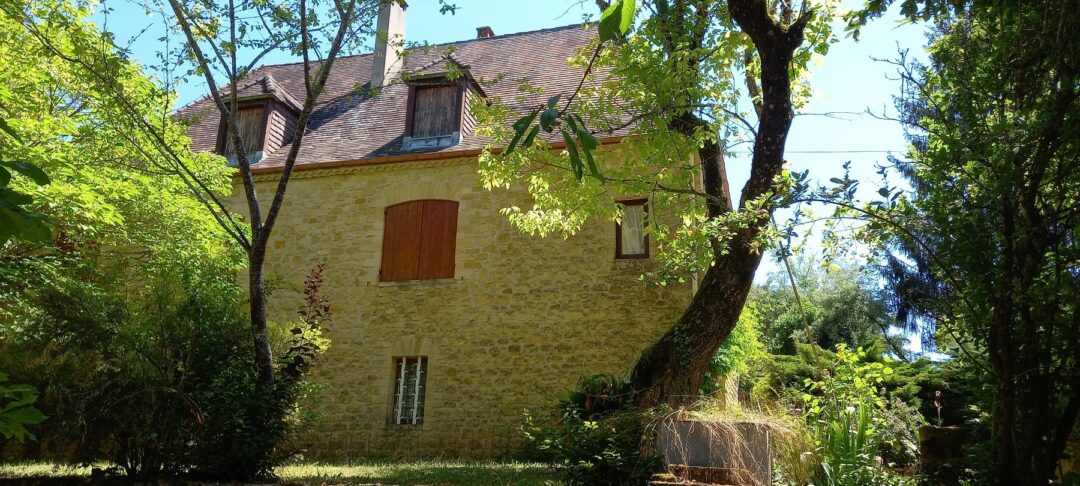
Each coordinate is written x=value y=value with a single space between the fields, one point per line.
x=400 y=393
x=416 y=392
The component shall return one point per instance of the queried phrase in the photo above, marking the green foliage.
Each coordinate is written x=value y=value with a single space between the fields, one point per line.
x=16 y=218
x=846 y=413
x=111 y=188
x=594 y=437
x=17 y=410
x=157 y=378
x=740 y=351
x=650 y=67
x=129 y=321
x=907 y=391
x=836 y=305
x=980 y=249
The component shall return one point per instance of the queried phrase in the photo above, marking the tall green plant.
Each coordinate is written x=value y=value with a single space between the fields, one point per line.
x=17 y=410
x=845 y=413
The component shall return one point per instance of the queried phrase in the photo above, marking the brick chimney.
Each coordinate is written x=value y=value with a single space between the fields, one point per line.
x=389 y=36
x=484 y=32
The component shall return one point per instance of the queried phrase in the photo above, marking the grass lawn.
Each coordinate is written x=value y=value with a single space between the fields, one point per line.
x=384 y=473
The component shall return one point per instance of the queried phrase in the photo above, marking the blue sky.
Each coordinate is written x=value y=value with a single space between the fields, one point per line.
x=847 y=81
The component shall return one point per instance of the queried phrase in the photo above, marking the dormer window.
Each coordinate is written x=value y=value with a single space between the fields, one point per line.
x=438 y=110
x=251 y=121
x=434 y=117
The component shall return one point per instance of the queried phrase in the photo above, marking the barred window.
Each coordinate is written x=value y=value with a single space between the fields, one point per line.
x=410 y=383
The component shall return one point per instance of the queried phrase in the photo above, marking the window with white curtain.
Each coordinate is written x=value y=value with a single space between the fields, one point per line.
x=630 y=238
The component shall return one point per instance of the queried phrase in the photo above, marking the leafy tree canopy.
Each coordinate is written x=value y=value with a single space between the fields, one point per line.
x=109 y=195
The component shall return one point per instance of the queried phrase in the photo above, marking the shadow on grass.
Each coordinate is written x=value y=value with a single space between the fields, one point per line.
x=420 y=473
x=429 y=473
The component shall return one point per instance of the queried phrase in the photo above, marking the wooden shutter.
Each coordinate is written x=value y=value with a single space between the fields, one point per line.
x=438 y=239
x=435 y=111
x=401 y=241
x=250 y=122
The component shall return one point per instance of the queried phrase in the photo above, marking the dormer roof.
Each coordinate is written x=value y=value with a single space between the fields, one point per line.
x=348 y=125
x=265 y=86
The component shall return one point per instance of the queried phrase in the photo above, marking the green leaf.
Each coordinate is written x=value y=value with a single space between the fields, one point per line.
x=5 y=177
x=531 y=136
x=13 y=199
x=29 y=170
x=836 y=180
x=548 y=118
x=9 y=130
x=616 y=19
x=587 y=139
x=519 y=129
x=554 y=100
x=593 y=169
x=575 y=158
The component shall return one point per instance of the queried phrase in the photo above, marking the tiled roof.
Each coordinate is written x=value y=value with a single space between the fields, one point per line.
x=348 y=125
x=265 y=85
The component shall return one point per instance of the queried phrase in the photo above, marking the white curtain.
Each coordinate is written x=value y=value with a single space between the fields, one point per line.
x=633 y=230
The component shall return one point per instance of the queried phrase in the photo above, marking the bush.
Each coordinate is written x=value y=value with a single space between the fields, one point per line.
x=17 y=410
x=736 y=354
x=849 y=419
x=594 y=437
x=156 y=377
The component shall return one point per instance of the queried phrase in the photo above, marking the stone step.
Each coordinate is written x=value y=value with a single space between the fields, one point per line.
x=703 y=476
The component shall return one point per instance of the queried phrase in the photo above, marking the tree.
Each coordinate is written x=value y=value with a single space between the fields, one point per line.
x=216 y=35
x=833 y=306
x=983 y=248
x=304 y=27
x=104 y=197
x=671 y=77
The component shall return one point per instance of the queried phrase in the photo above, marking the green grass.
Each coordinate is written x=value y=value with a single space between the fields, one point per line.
x=38 y=470
x=491 y=473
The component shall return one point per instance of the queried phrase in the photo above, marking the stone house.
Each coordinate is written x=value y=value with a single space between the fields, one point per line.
x=448 y=322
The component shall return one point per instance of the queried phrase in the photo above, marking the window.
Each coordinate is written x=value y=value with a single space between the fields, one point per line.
x=434 y=116
x=410 y=383
x=252 y=125
x=419 y=240
x=435 y=111
x=630 y=238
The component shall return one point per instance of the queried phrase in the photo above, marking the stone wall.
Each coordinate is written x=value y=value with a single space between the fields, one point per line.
x=521 y=321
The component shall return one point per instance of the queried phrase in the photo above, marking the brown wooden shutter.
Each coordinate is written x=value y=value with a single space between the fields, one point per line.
x=401 y=241
x=250 y=122
x=435 y=111
x=438 y=239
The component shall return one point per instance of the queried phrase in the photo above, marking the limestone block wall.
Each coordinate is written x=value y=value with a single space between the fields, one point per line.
x=521 y=321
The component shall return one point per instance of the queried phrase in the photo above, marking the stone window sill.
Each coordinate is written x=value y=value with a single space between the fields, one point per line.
x=410 y=283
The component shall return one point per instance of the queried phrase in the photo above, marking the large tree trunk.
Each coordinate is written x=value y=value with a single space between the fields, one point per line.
x=671 y=371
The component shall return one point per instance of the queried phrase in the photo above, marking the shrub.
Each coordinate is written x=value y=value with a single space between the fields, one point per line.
x=594 y=437
x=848 y=417
x=17 y=410
x=740 y=349
x=156 y=377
